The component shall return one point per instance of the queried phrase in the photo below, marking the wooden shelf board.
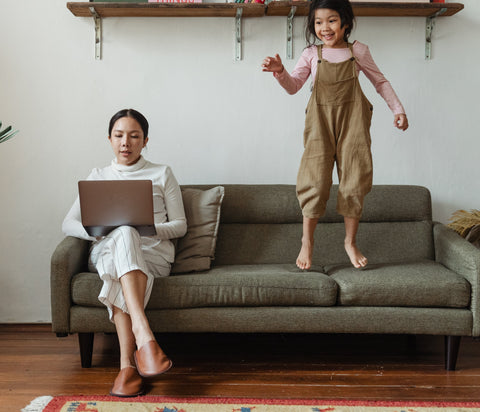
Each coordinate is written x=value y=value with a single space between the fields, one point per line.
x=81 y=9
x=282 y=8
x=275 y=8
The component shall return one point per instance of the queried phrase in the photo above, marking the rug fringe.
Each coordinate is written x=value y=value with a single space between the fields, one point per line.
x=38 y=404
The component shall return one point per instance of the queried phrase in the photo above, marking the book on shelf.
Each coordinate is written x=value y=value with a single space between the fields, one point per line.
x=174 y=1
x=119 y=1
x=248 y=1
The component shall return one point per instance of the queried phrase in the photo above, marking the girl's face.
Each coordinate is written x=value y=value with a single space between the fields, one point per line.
x=328 y=28
x=127 y=140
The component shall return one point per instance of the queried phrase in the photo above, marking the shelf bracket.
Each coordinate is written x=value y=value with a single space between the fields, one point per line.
x=238 y=34
x=430 y=24
x=290 y=32
x=98 y=33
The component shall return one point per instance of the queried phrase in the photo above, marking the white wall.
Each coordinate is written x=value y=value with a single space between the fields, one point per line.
x=212 y=119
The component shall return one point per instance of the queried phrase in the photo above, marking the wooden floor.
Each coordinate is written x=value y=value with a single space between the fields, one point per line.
x=34 y=362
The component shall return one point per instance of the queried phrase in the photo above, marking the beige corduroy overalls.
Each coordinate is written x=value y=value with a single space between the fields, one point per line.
x=337 y=129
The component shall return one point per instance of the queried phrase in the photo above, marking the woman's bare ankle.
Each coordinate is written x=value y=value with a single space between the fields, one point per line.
x=143 y=335
x=127 y=363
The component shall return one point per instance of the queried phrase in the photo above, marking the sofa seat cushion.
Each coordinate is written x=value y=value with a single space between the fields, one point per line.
x=416 y=284
x=230 y=285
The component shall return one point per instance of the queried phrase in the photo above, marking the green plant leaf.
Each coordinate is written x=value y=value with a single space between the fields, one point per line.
x=8 y=137
x=7 y=133
x=4 y=132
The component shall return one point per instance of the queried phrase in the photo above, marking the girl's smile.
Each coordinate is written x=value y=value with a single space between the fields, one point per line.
x=328 y=28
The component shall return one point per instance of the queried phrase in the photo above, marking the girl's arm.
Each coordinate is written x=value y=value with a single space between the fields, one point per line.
x=381 y=84
x=273 y=64
x=400 y=121
x=293 y=82
x=176 y=226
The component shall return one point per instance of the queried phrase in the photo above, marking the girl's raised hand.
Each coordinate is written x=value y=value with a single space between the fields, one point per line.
x=272 y=64
x=400 y=121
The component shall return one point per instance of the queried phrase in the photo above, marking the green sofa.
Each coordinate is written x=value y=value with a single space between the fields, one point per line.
x=422 y=277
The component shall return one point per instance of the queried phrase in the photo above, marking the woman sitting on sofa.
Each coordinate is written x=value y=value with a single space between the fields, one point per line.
x=127 y=262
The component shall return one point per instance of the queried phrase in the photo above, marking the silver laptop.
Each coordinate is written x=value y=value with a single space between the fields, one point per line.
x=108 y=204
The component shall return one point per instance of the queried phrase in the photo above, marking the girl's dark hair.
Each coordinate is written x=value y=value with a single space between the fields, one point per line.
x=342 y=7
x=139 y=117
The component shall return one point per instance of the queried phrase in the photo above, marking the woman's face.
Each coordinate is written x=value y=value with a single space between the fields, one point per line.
x=127 y=140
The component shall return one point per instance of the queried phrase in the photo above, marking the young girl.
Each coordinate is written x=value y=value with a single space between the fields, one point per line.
x=337 y=121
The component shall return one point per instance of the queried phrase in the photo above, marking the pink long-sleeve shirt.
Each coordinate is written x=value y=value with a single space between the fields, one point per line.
x=307 y=65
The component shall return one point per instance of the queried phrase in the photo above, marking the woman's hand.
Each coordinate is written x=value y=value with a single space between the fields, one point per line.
x=273 y=64
x=400 y=121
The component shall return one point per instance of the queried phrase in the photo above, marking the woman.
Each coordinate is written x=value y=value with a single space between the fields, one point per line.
x=127 y=262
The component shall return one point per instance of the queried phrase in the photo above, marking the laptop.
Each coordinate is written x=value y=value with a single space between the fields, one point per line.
x=108 y=204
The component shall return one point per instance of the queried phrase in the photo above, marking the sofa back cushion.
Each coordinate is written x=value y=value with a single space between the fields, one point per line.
x=263 y=224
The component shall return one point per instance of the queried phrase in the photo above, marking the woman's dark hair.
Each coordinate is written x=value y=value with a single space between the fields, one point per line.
x=342 y=7
x=139 y=117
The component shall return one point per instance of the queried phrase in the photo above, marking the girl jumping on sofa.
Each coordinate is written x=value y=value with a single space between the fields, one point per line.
x=337 y=123
x=127 y=262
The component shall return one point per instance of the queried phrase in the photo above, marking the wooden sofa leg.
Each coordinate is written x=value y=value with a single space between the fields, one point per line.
x=85 y=340
x=452 y=345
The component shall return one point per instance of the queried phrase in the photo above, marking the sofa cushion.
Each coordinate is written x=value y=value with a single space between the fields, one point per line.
x=196 y=249
x=262 y=224
x=274 y=203
x=244 y=244
x=416 y=284
x=245 y=285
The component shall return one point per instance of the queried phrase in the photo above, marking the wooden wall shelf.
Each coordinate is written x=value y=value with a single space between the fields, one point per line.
x=274 y=8
x=282 y=8
x=362 y=9
x=289 y=9
x=82 y=9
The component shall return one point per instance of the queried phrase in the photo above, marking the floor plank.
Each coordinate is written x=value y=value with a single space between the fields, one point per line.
x=34 y=362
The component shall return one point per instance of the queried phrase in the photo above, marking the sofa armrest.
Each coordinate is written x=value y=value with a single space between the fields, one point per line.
x=70 y=257
x=459 y=255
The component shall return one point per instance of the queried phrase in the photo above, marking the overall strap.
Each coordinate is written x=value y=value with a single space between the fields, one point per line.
x=350 y=46
x=319 y=52
x=319 y=60
x=353 y=60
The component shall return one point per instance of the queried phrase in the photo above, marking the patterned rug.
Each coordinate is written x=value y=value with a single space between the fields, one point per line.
x=167 y=404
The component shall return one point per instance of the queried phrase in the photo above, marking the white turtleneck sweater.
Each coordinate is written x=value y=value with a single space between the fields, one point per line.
x=169 y=214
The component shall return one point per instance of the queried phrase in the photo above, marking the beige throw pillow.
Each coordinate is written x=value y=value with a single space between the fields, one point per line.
x=196 y=249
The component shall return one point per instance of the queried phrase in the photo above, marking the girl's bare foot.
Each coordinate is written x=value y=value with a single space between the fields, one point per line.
x=356 y=257
x=304 y=259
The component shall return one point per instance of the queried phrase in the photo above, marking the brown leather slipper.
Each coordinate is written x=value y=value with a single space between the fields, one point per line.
x=128 y=383
x=151 y=360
